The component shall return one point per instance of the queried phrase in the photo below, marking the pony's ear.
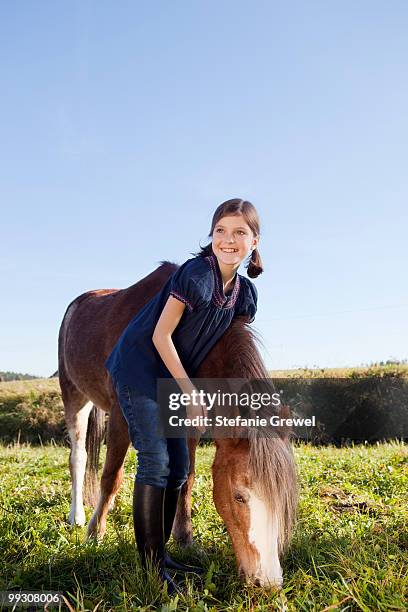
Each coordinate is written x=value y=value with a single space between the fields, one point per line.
x=285 y=431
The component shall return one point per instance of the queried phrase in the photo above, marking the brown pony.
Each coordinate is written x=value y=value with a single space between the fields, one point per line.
x=254 y=479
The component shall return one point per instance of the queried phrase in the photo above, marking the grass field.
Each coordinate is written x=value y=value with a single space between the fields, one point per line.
x=349 y=550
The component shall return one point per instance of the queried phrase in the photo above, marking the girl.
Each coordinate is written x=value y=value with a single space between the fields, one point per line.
x=170 y=336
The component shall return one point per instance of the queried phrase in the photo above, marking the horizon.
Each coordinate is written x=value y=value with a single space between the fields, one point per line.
x=305 y=368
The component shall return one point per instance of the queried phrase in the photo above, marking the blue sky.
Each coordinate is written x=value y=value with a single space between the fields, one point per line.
x=124 y=125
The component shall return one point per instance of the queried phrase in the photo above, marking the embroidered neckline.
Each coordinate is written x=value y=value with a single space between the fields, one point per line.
x=219 y=298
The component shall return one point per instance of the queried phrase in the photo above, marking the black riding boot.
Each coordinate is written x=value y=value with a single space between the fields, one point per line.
x=170 y=506
x=148 y=525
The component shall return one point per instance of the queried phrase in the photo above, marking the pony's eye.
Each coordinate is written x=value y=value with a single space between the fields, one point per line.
x=240 y=498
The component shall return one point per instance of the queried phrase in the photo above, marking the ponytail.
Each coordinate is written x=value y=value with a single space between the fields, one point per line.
x=204 y=251
x=254 y=267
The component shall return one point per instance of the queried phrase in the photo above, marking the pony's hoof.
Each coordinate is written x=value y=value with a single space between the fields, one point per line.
x=95 y=532
x=112 y=505
x=184 y=540
x=94 y=536
x=76 y=518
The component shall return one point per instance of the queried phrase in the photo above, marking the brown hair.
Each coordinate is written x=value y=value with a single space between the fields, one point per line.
x=248 y=211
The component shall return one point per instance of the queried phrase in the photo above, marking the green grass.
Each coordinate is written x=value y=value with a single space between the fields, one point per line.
x=350 y=544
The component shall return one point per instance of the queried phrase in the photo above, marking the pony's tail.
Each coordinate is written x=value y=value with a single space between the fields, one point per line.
x=94 y=438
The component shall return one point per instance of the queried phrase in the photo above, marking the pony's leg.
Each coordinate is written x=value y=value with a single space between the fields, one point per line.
x=182 y=526
x=77 y=422
x=117 y=443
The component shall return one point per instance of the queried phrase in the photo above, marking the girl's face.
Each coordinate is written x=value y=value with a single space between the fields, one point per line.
x=233 y=240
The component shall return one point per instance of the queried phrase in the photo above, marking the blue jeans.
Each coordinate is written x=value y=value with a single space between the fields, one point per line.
x=163 y=462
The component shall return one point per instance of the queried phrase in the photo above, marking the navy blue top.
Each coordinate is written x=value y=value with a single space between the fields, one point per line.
x=135 y=360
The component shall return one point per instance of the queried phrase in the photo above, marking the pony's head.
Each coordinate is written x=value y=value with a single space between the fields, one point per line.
x=254 y=478
x=254 y=493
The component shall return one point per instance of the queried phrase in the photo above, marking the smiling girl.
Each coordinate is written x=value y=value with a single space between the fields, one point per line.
x=170 y=336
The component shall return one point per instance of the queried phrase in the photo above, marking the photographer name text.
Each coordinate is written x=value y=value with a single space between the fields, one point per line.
x=239 y=421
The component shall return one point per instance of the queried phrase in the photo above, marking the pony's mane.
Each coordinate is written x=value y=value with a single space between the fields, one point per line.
x=166 y=262
x=271 y=463
x=273 y=472
x=241 y=342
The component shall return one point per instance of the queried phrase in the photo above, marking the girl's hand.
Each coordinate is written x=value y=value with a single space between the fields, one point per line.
x=199 y=409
